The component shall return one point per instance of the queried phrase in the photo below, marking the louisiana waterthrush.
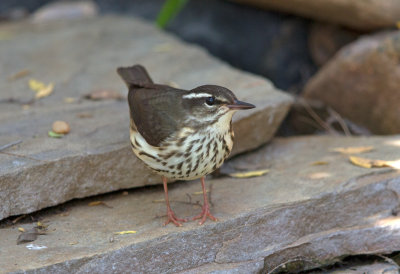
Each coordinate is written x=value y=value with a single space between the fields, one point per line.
x=180 y=134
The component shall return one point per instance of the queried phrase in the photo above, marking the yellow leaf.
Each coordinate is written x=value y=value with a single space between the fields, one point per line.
x=95 y=203
x=249 y=174
x=21 y=229
x=352 y=150
x=369 y=163
x=200 y=192
x=398 y=24
x=46 y=91
x=73 y=243
x=40 y=88
x=319 y=163
x=70 y=100
x=125 y=232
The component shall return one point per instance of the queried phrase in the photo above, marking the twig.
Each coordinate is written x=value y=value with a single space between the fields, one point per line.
x=314 y=115
x=10 y=145
x=340 y=120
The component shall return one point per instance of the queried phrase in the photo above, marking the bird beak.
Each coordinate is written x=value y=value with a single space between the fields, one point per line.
x=240 y=105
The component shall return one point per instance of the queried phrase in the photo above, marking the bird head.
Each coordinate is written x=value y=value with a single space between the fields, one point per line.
x=207 y=104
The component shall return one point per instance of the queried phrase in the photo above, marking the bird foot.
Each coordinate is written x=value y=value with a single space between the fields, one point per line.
x=173 y=219
x=204 y=214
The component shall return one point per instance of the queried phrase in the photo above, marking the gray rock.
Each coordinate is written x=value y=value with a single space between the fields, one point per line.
x=316 y=213
x=61 y=10
x=354 y=14
x=361 y=83
x=95 y=157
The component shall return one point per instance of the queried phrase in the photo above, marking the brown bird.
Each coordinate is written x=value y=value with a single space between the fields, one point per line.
x=180 y=134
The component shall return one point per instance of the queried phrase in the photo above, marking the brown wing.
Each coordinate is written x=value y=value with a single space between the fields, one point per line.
x=156 y=111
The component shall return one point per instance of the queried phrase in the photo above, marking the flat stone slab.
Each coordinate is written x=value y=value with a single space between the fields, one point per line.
x=95 y=157
x=298 y=211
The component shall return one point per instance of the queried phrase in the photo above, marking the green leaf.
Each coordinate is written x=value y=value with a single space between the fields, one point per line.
x=169 y=10
x=52 y=134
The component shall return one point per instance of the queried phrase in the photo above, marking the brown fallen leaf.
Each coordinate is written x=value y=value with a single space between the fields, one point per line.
x=369 y=163
x=249 y=174
x=97 y=203
x=104 y=94
x=84 y=115
x=125 y=232
x=319 y=163
x=19 y=74
x=60 y=127
x=352 y=150
x=398 y=24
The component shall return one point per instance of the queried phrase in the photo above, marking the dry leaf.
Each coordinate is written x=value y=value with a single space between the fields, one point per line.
x=125 y=193
x=200 y=192
x=19 y=74
x=125 y=232
x=97 y=203
x=369 y=163
x=249 y=174
x=21 y=229
x=40 y=88
x=70 y=100
x=398 y=24
x=60 y=127
x=319 y=163
x=104 y=94
x=352 y=150
x=73 y=243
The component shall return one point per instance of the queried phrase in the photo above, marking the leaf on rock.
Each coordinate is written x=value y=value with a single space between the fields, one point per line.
x=52 y=134
x=249 y=174
x=125 y=232
x=352 y=150
x=319 y=163
x=97 y=203
x=104 y=94
x=369 y=163
x=40 y=88
x=19 y=74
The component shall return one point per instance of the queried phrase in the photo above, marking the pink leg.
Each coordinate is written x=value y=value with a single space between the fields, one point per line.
x=206 y=208
x=170 y=214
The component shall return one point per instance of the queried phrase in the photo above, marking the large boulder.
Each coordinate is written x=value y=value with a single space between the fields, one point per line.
x=362 y=83
x=299 y=212
x=80 y=57
x=361 y=15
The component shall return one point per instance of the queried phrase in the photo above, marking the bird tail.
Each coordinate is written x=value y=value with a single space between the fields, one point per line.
x=135 y=76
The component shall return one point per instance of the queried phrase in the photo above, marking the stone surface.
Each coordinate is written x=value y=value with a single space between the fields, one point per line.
x=316 y=213
x=361 y=83
x=362 y=15
x=60 y=10
x=95 y=156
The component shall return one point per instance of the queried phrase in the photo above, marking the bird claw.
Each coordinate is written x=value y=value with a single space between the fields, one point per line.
x=173 y=219
x=204 y=214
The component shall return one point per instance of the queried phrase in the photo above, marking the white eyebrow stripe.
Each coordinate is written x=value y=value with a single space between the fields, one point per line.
x=196 y=95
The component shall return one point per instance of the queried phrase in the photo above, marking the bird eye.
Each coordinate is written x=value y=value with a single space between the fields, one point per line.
x=210 y=101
